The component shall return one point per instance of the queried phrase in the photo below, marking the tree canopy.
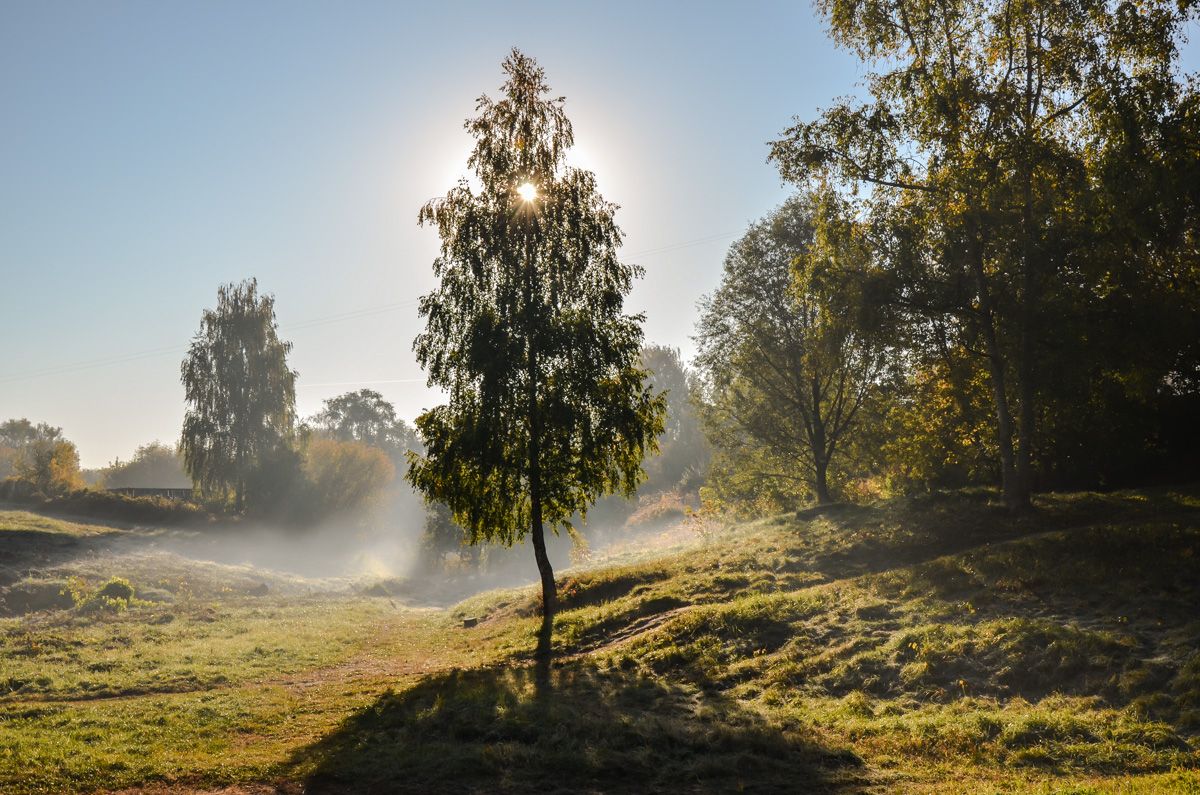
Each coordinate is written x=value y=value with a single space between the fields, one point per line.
x=241 y=397
x=526 y=333
x=18 y=435
x=365 y=416
x=1031 y=175
x=682 y=460
x=787 y=358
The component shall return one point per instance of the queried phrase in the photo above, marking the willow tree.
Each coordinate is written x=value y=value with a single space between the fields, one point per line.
x=1002 y=139
x=526 y=333
x=240 y=392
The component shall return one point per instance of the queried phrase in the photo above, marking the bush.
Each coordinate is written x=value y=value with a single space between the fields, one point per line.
x=117 y=588
x=114 y=596
x=345 y=476
x=154 y=465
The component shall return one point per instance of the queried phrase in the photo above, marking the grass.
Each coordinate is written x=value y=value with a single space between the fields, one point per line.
x=921 y=645
x=586 y=728
x=25 y=522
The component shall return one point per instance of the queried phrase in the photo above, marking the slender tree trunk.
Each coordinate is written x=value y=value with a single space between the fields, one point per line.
x=1025 y=431
x=549 y=590
x=1009 y=479
x=820 y=458
x=1026 y=389
x=1014 y=497
x=1027 y=310
x=537 y=531
x=1026 y=413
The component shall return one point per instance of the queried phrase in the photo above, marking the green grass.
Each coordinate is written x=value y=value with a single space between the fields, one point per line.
x=26 y=522
x=193 y=646
x=922 y=645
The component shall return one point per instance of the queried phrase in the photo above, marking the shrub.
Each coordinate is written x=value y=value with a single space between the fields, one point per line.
x=345 y=476
x=114 y=596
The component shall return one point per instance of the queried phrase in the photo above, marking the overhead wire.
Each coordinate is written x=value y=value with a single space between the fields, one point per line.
x=354 y=314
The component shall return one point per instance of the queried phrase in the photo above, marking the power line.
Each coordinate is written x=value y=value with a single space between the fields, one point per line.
x=356 y=383
x=107 y=361
x=688 y=244
x=355 y=314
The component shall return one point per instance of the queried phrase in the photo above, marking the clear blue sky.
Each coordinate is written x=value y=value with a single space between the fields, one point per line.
x=150 y=151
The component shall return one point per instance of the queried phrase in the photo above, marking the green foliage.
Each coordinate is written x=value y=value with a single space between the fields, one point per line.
x=364 y=416
x=114 y=596
x=683 y=449
x=51 y=467
x=936 y=432
x=16 y=436
x=39 y=456
x=789 y=360
x=442 y=536
x=241 y=400
x=547 y=408
x=1033 y=193
x=344 y=476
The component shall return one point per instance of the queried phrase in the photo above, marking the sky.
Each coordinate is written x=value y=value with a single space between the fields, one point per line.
x=152 y=151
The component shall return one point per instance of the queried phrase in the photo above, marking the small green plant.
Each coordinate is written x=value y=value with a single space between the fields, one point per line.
x=76 y=588
x=114 y=596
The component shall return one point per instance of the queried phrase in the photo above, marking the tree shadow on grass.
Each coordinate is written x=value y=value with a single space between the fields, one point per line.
x=861 y=539
x=589 y=730
x=22 y=551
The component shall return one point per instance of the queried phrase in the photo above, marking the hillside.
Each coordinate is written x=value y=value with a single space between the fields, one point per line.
x=919 y=645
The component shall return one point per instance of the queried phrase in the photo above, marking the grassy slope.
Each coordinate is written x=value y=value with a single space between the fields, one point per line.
x=908 y=646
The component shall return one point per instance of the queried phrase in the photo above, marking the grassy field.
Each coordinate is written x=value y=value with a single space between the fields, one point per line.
x=915 y=646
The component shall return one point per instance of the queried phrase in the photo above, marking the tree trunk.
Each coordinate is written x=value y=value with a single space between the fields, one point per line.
x=549 y=590
x=822 y=484
x=1028 y=317
x=820 y=456
x=549 y=593
x=1026 y=390
x=1027 y=311
x=545 y=570
x=1015 y=498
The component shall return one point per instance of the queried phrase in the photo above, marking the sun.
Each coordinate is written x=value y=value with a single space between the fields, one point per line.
x=527 y=191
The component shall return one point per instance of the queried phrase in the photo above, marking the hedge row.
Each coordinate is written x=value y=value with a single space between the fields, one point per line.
x=97 y=504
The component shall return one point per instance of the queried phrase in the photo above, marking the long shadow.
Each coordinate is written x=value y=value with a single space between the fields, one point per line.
x=586 y=730
x=878 y=538
x=24 y=550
